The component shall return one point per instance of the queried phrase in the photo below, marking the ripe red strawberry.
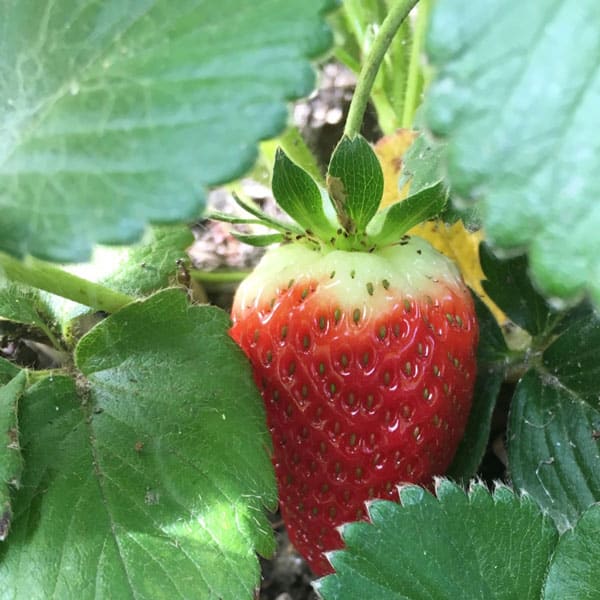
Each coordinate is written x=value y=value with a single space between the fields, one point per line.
x=366 y=363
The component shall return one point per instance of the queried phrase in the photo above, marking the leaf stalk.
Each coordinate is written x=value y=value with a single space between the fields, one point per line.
x=45 y=276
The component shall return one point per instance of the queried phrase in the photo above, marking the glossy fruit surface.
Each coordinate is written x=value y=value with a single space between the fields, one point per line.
x=366 y=363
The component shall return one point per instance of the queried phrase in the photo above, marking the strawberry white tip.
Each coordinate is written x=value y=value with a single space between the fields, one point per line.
x=412 y=266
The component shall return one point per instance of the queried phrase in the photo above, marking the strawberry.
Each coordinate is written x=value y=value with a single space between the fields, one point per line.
x=363 y=347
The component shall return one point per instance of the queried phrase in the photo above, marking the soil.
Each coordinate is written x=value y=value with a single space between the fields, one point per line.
x=285 y=576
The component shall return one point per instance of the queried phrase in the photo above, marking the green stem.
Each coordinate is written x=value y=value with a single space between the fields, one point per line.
x=45 y=276
x=218 y=276
x=415 y=75
x=381 y=43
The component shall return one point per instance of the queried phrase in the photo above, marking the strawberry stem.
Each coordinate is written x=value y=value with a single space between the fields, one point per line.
x=366 y=78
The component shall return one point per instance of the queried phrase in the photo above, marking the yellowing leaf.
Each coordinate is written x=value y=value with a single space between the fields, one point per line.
x=461 y=246
x=454 y=240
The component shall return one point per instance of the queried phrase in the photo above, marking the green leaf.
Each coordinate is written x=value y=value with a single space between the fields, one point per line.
x=355 y=183
x=573 y=572
x=131 y=107
x=410 y=551
x=573 y=356
x=11 y=462
x=393 y=76
x=299 y=196
x=422 y=164
x=146 y=476
x=21 y=304
x=24 y=305
x=509 y=286
x=149 y=265
x=491 y=369
x=389 y=225
x=554 y=424
x=8 y=370
x=515 y=97
x=553 y=447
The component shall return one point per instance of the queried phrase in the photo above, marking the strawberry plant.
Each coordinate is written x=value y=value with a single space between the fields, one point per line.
x=421 y=440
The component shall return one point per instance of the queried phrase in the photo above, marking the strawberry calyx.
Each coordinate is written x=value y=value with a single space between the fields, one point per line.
x=345 y=216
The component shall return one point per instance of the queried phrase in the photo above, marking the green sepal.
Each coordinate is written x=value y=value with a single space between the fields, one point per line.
x=258 y=239
x=227 y=218
x=355 y=183
x=266 y=219
x=8 y=370
x=299 y=196
x=389 y=225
